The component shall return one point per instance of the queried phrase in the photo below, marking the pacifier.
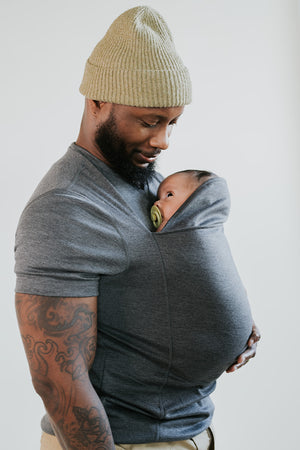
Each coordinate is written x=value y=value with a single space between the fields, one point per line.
x=156 y=216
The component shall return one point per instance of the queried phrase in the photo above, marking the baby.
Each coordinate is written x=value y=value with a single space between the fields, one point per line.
x=189 y=214
x=173 y=192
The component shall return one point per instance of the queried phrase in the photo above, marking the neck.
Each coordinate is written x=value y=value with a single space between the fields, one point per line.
x=86 y=140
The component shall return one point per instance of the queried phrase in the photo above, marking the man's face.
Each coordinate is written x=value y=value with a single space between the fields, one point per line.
x=131 y=139
x=172 y=193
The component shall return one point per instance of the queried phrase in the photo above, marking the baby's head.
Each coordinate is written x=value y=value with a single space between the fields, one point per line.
x=173 y=192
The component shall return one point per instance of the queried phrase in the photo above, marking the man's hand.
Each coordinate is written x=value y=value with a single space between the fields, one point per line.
x=249 y=353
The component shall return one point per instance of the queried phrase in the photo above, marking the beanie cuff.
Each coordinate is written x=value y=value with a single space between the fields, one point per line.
x=150 y=88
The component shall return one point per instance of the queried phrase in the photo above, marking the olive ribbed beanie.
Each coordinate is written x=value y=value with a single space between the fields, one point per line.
x=136 y=64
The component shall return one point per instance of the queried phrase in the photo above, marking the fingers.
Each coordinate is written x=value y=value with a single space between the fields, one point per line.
x=255 y=336
x=249 y=353
x=243 y=359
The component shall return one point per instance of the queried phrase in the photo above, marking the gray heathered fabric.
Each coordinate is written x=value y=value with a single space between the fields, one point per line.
x=173 y=313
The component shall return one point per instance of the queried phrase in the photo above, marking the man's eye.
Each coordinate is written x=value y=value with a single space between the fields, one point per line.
x=169 y=194
x=149 y=125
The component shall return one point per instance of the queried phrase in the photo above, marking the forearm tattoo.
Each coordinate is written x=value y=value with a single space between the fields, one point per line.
x=59 y=336
x=87 y=431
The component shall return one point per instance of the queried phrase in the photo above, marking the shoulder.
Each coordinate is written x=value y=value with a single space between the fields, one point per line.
x=66 y=175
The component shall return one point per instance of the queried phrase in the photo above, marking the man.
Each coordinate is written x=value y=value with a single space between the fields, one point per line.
x=91 y=294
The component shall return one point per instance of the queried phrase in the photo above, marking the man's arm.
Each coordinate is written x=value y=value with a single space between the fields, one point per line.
x=59 y=336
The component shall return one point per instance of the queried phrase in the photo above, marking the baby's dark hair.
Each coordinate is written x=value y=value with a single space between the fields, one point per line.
x=198 y=174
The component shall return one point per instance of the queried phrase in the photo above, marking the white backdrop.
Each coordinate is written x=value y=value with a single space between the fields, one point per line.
x=243 y=124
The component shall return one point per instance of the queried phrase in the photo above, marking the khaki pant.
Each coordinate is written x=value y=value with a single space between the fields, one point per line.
x=204 y=441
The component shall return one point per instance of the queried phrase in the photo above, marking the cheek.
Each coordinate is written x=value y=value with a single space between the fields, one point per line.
x=133 y=133
x=172 y=207
x=168 y=211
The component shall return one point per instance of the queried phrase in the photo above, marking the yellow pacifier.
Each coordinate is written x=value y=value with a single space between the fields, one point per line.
x=156 y=216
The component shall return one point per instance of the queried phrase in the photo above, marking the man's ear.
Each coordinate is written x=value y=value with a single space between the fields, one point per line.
x=93 y=107
x=98 y=110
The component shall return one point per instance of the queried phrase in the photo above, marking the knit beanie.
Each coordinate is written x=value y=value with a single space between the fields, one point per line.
x=136 y=64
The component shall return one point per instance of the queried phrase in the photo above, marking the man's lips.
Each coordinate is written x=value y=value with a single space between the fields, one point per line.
x=145 y=158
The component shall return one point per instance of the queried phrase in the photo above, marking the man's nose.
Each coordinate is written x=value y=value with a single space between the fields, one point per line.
x=160 y=138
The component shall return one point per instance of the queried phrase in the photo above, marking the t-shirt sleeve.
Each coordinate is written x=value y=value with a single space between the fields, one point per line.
x=64 y=244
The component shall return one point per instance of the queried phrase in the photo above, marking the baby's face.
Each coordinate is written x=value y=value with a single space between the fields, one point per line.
x=172 y=193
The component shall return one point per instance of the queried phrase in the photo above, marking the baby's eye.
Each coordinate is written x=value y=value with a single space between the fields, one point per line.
x=169 y=194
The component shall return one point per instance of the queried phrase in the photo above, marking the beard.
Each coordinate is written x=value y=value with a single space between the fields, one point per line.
x=113 y=148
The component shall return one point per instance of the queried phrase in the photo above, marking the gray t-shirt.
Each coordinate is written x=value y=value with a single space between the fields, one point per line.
x=173 y=314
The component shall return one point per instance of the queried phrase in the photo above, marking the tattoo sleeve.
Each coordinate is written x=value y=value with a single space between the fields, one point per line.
x=59 y=337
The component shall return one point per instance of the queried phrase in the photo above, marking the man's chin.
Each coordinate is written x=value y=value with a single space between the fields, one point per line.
x=139 y=175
